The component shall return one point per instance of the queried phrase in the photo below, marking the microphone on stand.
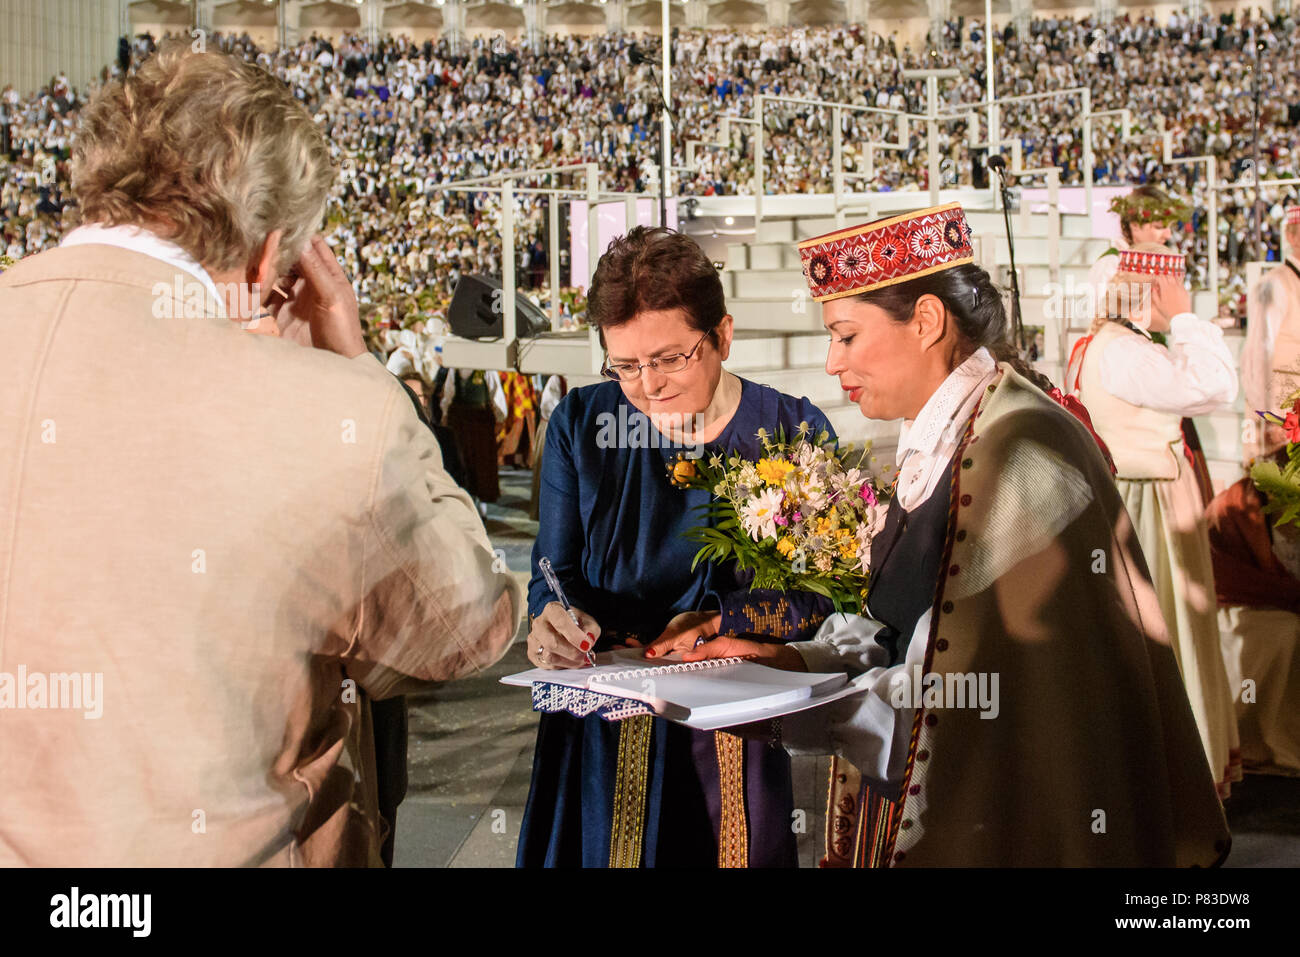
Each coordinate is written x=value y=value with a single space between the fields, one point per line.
x=999 y=165
x=636 y=56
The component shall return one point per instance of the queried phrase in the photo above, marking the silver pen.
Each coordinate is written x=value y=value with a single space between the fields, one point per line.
x=554 y=584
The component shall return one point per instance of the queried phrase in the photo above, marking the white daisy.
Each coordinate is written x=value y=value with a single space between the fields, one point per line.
x=758 y=514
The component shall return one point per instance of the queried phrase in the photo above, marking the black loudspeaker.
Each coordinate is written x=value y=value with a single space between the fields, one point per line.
x=979 y=171
x=477 y=310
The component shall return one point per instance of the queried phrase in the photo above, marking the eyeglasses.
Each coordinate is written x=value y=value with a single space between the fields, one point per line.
x=629 y=371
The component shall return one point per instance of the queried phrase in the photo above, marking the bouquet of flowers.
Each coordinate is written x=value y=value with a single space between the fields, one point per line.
x=1281 y=484
x=800 y=518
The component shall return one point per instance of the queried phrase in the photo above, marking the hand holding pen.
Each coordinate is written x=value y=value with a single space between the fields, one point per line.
x=561 y=636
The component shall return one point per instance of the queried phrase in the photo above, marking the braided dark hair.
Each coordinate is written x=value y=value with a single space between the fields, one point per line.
x=970 y=297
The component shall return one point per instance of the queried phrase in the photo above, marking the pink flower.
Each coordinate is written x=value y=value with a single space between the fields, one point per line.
x=781 y=520
x=868 y=493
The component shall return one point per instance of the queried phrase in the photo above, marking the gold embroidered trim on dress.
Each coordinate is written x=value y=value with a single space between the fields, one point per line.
x=733 y=831
x=628 y=825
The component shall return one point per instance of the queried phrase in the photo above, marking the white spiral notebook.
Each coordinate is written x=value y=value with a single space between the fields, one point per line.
x=707 y=695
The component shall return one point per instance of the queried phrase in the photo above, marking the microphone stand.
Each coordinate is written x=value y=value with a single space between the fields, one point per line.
x=1017 y=324
x=637 y=58
x=663 y=173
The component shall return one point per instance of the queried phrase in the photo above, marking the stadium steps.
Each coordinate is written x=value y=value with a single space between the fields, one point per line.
x=780 y=340
x=1030 y=250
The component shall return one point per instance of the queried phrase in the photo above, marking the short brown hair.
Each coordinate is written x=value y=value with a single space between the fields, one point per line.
x=650 y=269
x=213 y=149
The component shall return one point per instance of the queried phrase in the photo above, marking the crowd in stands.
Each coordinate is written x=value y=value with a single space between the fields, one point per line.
x=404 y=118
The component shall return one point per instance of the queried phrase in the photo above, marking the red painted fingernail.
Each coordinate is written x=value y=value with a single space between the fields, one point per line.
x=649 y=652
x=591 y=636
x=585 y=645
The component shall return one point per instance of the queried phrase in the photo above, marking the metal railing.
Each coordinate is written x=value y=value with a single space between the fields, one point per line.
x=934 y=115
x=588 y=188
x=761 y=102
x=503 y=184
x=994 y=142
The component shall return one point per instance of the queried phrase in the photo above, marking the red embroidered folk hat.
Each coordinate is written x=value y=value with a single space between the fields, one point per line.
x=1153 y=264
x=851 y=261
x=1292 y=215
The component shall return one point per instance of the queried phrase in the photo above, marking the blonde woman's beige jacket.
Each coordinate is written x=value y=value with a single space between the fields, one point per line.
x=213 y=547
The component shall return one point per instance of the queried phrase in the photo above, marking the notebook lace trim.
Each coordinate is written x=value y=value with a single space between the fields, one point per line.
x=580 y=702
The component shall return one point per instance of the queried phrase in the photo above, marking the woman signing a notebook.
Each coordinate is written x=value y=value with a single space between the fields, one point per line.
x=643 y=791
x=1020 y=704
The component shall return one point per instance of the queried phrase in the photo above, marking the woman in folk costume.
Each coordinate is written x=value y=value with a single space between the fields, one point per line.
x=643 y=791
x=1270 y=357
x=478 y=406
x=1138 y=391
x=1146 y=215
x=515 y=436
x=1007 y=568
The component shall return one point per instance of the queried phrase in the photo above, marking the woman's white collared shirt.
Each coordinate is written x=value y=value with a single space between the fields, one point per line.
x=143 y=241
x=927 y=443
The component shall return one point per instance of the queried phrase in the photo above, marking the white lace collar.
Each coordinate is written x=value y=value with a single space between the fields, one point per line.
x=939 y=416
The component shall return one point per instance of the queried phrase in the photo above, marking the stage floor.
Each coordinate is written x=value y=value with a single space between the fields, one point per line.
x=471 y=751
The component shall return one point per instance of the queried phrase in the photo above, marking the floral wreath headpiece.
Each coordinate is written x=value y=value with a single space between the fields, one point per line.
x=1149 y=210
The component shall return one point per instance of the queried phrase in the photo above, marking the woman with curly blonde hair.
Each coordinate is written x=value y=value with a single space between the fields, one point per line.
x=205 y=153
x=248 y=541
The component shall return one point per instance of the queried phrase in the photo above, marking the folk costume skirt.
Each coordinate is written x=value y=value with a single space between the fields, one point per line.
x=1169 y=517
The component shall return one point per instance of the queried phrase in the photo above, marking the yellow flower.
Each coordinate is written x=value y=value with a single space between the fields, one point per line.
x=823 y=526
x=774 y=471
x=785 y=545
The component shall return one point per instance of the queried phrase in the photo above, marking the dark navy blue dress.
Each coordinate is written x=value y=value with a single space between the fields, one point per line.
x=612 y=525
